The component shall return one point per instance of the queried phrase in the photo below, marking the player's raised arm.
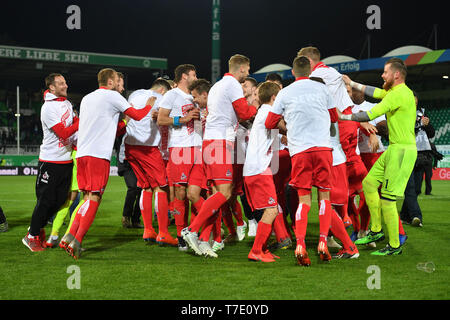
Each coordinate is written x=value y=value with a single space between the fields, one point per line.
x=138 y=114
x=370 y=91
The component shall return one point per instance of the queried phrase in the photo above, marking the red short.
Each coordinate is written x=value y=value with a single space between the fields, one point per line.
x=197 y=177
x=260 y=191
x=339 y=191
x=356 y=172
x=369 y=159
x=283 y=173
x=92 y=174
x=312 y=168
x=147 y=165
x=218 y=161
x=182 y=161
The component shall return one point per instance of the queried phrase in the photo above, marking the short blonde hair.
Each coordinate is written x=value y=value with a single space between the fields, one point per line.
x=236 y=61
x=311 y=52
x=104 y=75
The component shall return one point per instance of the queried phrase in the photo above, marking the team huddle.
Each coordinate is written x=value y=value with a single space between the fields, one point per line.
x=197 y=149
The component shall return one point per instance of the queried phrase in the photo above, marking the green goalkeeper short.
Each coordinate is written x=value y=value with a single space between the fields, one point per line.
x=393 y=169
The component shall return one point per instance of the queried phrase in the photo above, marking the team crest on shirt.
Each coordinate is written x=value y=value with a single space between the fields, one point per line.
x=45 y=177
x=271 y=200
x=228 y=174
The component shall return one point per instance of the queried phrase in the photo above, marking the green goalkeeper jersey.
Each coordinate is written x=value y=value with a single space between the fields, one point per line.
x=399 y=106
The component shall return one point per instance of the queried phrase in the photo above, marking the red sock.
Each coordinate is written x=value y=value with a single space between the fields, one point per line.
x=324 y=219
x=209 y=207
x=400 y=227
x=86 y=219
x=217 y=225
x=237 y=212
x=353 y=214
x=162 y=212
x=76 y=221
x=262 y=234
x=301 y=221
x=364 y=212
x=280 y=228
x=338 y=230
x=228 y=218
x=179 y=210
x=145 y=203
x=208 y=228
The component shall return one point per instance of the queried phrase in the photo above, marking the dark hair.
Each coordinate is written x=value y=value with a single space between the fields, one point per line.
x=397 y=64
x=160 y=82
x=252 y=80
x=274 y=77
x=183 y=69
x=201 y=85
x=50 y=79
x=120 y=75
x=301 y=66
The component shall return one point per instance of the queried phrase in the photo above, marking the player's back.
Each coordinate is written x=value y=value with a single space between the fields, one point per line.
x=99 y=114
x=146 y=131
x=306 y=104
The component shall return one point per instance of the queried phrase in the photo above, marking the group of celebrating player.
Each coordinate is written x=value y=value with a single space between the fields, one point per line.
x=200 y=146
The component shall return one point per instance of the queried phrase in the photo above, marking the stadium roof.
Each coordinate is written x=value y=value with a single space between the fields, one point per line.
x=27 y=67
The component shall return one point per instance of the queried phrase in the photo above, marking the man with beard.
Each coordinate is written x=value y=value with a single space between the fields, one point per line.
x=395 y=165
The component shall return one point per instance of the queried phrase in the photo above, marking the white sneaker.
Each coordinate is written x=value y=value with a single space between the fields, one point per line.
x=252 y=226
x=218 y=246
x=191 y=239
x=332 y=243
x=240 y=230
x=206 y=250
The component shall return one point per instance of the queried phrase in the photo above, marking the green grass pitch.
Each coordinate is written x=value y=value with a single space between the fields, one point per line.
x=118 y=265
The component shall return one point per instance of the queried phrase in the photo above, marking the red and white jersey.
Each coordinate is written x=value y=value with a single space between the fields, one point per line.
x=99 y=114
x=363 y=140
x=335 y=84
x=188 y=134
x=54 y=111
x=260 y=144
x=242 y=138
x=222 y=121
x=144 y=132
x=304 y=105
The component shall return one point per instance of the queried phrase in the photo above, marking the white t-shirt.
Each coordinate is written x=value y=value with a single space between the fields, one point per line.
x=338 y=153
x=53 y=112
x=99 y=114
x=144 y=132
x=222 y=122
x=363 y=140
x=242 y=138
x=261 y=144
x=335 y=84
x=304 y=105
x=188 y=134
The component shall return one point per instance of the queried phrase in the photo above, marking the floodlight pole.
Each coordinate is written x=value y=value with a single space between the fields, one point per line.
x=18 y=120
x=215 y=41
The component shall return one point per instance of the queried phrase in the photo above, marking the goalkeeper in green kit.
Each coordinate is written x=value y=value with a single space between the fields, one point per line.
x=393 y=169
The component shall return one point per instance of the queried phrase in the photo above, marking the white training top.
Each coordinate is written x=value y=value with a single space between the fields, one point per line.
x=341 y=100
x=363 y=140
x=222 y=121
x=304 y=105
x=335 y=84
x=188 y=134
x=242 y=136
x=261 y=144
x=53 y=112
x=99 y=114
x=144 y=132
